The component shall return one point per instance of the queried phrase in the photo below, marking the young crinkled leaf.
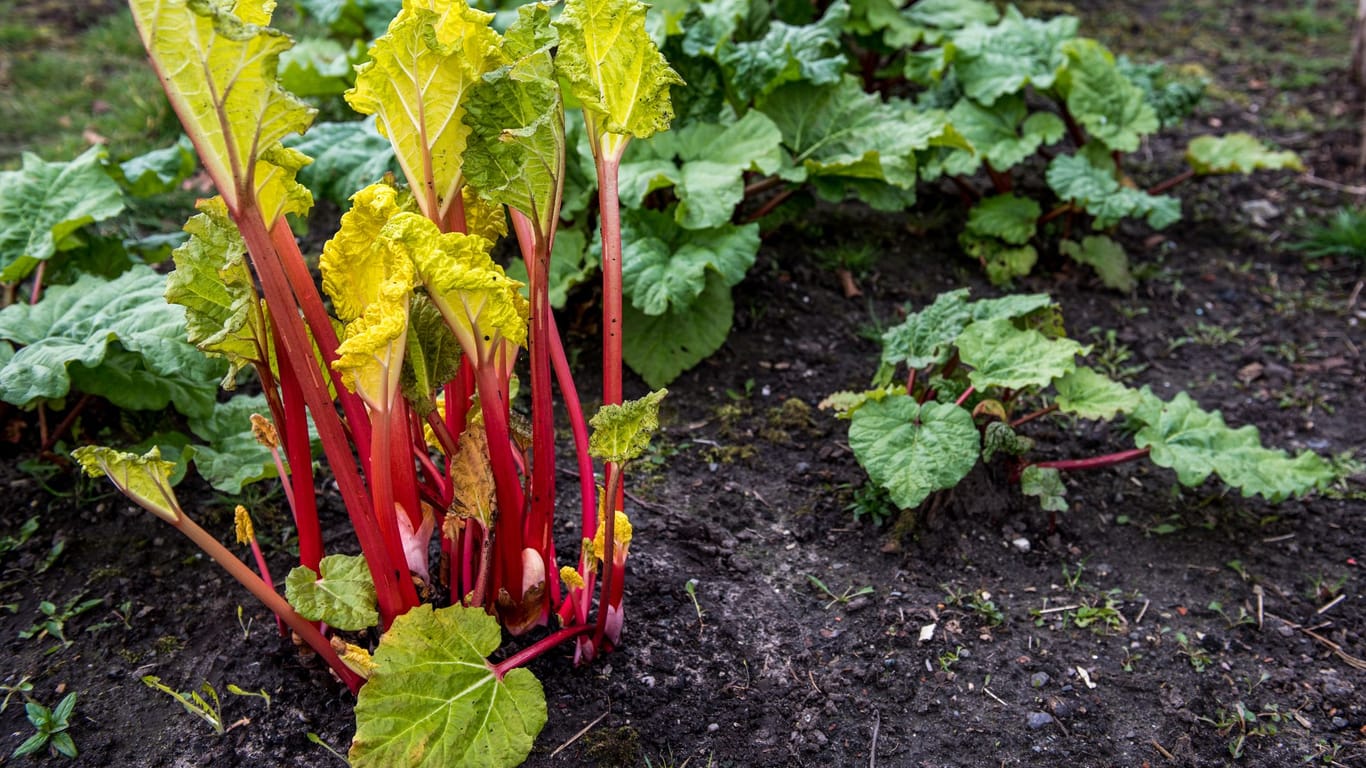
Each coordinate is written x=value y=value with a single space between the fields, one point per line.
x=998 y=437
x=1077 y=178
x=926 y=337
x=212 y=281
x=417 y=82
x=516 y=149
x=993 y=61
x=659 y=347
x=44 y=203
x=1105 y=256
x=666 y=268
x=1092 y=396
x=1045 y=483
x=145 y=479
x=433 y=354
x=786 y=53
x=913 y=450
x=1106 y=103
x=1237 y=153
x=342 y=596
x=1004 y=134
x=615 y=71
x=1003 y=355
x=1009 y=217
x=433 y=700
x=219 y=62
x=1196 y=443
x=346 y=156
x=117 y=339
x=623 y=432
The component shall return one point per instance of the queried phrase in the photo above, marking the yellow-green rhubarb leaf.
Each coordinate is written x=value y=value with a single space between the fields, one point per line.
x=145 y=479
x=416 y=83
x=434 y=700
x=615 y=70
x=343 y=595
x=218 y=61
x=622 y=432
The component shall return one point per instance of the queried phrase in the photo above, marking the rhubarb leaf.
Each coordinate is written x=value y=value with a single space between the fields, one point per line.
x=1009 y=217
x=1046 y=483
x=1105 y=256
x=1195 y=443
x=42 y=204
x=998 y=437
x=1003 y=355
x=913 y=450
x=659 y=347
x=317 y=67
x=212 y=281
x=473 y=489
x=572 y=263
x=952 y=14
x=433 y=354
x=665 y=267
x=416 y=83
x=812 y=53
x=993 y=61
x=622 y=432
x=433 y=700
x=926 y=337
x=1237 y=153
x=346 y=157
x=1106 y=103
x=615 y=70
x=117 y=339
x=342 y=596
x=220 y=74
x=1078 y=179
x=233 y=457
x=1003 y=134
x=157 y=172
x=145 y=479
x=1090 y=395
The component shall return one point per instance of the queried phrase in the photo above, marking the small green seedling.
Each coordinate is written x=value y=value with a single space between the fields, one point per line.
x=10 y=543
x=23 y=687
x=842 y=598
x=207 y=707
x=51 y=725
x=316 y=739
x=948 y=658
x=691 y=588
x=54 y=625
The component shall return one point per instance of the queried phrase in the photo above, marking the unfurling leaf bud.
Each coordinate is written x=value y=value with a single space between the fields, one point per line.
x=264 y=431
x=245 y=532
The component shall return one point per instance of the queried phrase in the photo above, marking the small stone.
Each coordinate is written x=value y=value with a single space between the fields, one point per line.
x=1037 y=720
x=713 y=728
x=1021 y=543
x=857 y=604
x=1339 y=723
x=1039 y=679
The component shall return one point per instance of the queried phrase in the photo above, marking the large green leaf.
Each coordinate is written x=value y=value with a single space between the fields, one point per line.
x=157 y=172
x=233 y=456
x=318 y=67
x=433 y=701
x=343 y=595
x=1009 y=217
x=665 y=267
x=622 y=432
x=1004 y=355
x=218 y=62
x=346 y=157
x=1196 y=443
x=352 y=19
x=1091 y=395
x=117 y=339
x=42 y=204
x=659 y=347
x=1003 y=134
x=913 y=450
x=812 y=53
x=927 y=337
x=1077 y=178
x=1106 y=103
x=1105 y=256
x=993 y=61
x=1237 y=153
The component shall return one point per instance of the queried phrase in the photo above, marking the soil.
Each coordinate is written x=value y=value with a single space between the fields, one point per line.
x=960 y=639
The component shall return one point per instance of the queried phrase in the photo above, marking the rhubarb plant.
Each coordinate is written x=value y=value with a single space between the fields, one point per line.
x=408 y=375
x=952 y=390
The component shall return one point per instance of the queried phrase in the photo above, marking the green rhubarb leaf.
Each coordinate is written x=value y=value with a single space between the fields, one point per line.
x=615 y=70
x=994 y=61
x=43 y=204
x=1078 y=179
x=1004 y=355
x=1196 y=443
x=786 y=53
x=1237 y=153
x=665 y=267
x=433 y=356
x=145 y=479
x=317 y=67
x=952 y=14
x=433 y=700
x=346 y=157
x=998 y=437
x=233 y=457
x=1045 y=483
x=1105 y=256
x=572 y=263
x=516 y=149
x=352 y=19
x=417 y=83
x=885 y=18
x=1107 y=104
x=1090 y=395
x=1009 y=217
x=623 y=432
x=117 y=339
x=913 y=450
x=212 y=281
x=218 y=62
x=660 y=347
x=157 y=172
x=1004 y=134
x=342 y=596
x=1003 y=262
x=927 y=337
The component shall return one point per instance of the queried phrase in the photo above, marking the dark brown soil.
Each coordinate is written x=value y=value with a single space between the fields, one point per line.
x=749 y=500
